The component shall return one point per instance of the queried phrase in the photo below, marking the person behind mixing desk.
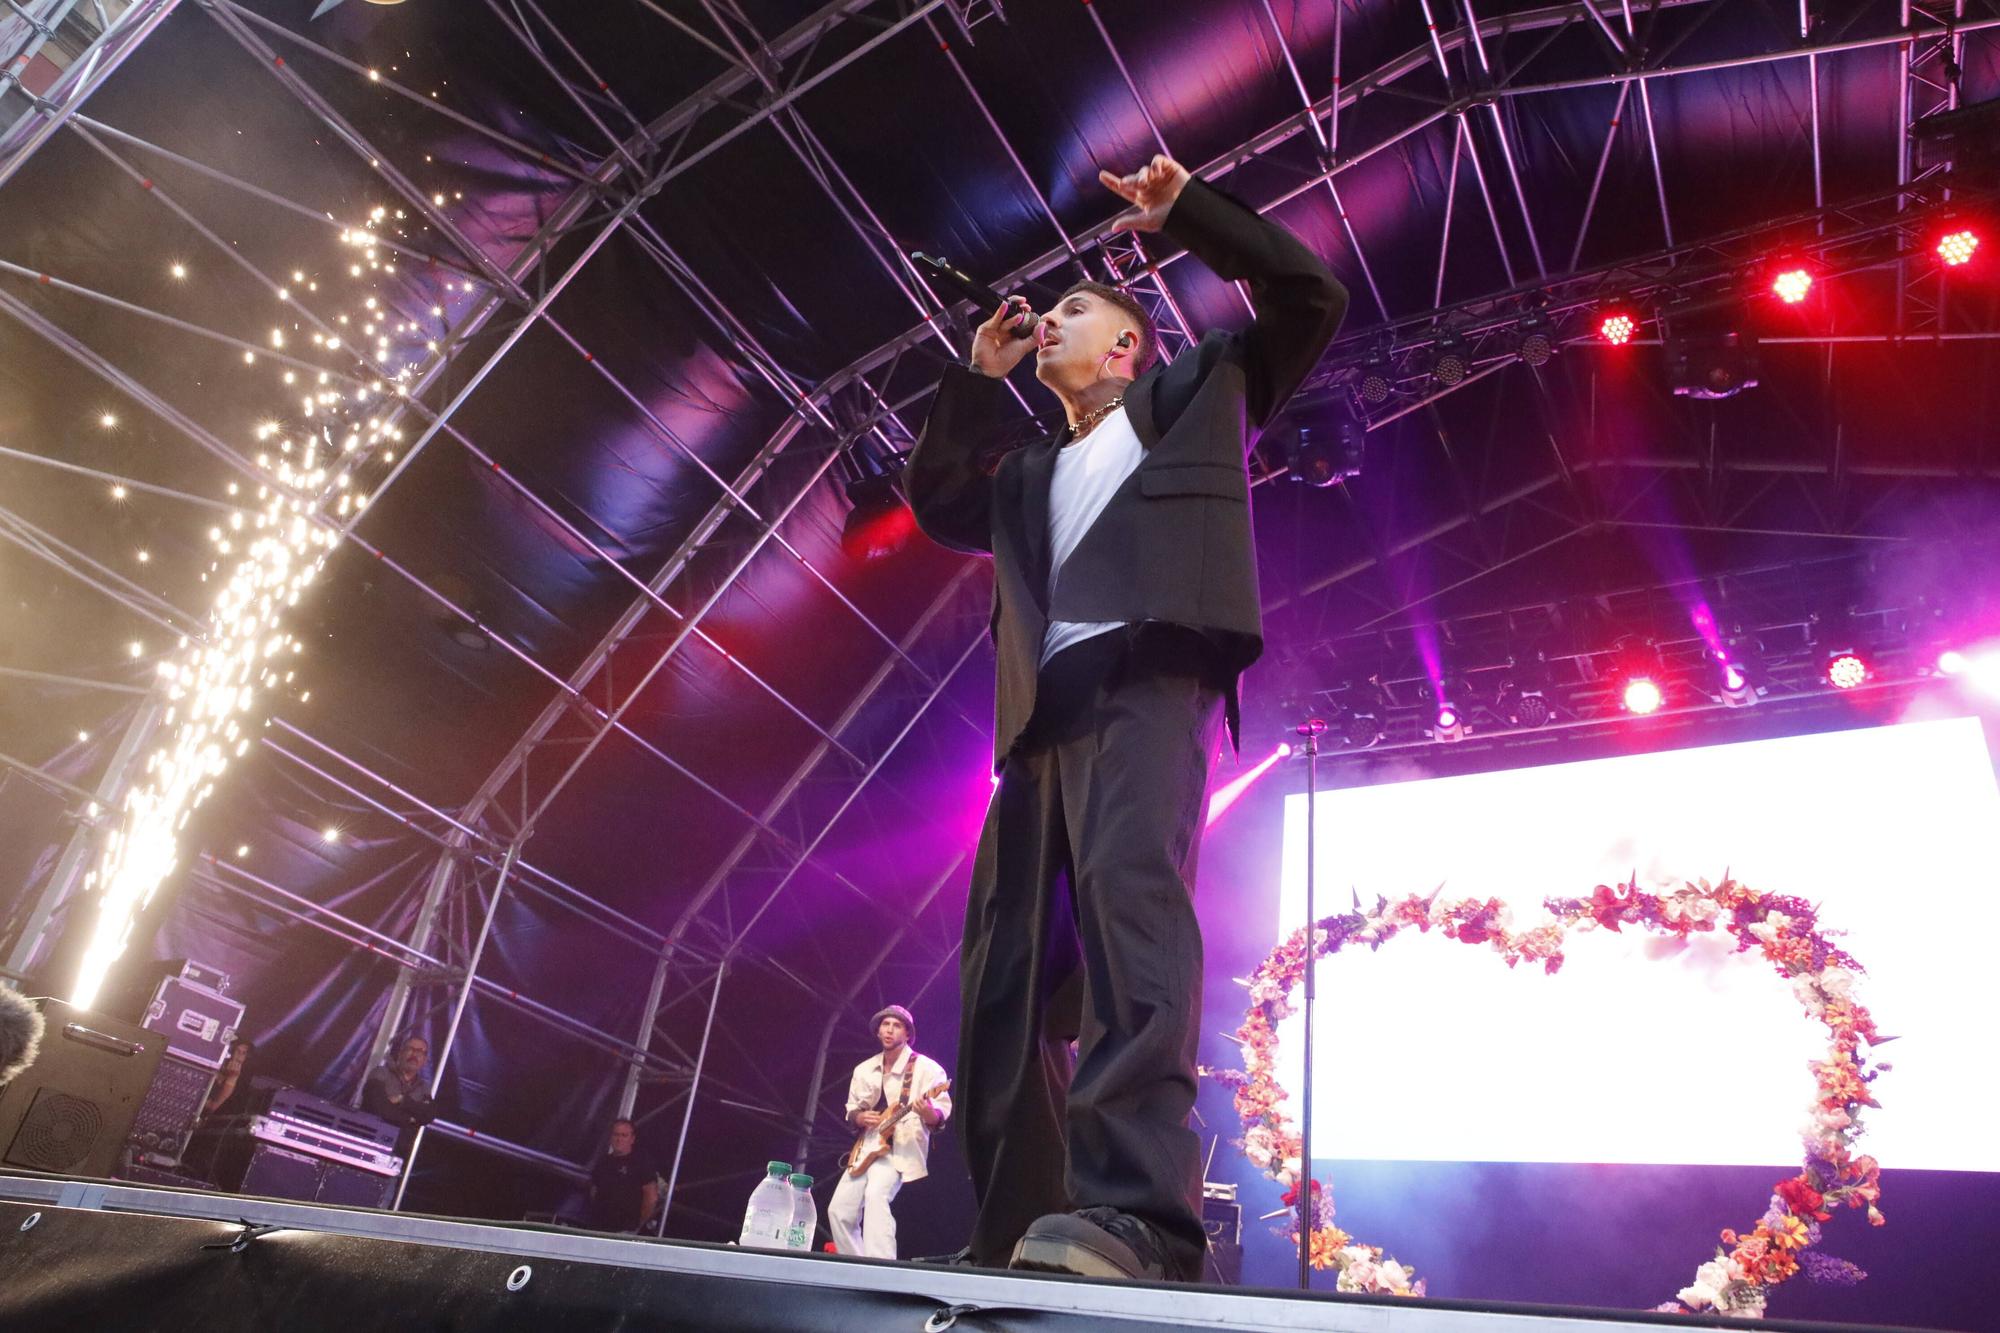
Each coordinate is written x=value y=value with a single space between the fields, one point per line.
x=396 y=1091
x=231 y=1090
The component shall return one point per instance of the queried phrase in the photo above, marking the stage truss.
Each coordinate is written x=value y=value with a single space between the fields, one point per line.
x=482 y=844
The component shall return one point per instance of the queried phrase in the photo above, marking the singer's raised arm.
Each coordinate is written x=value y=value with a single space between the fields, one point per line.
x=1298 y=303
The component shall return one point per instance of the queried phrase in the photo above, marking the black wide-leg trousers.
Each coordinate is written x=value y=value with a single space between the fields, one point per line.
x=1081 y=928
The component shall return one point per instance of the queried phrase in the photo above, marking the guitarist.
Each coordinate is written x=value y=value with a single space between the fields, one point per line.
x=897 y=1085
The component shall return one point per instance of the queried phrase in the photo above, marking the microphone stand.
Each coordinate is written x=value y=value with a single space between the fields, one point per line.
x=1309 y=733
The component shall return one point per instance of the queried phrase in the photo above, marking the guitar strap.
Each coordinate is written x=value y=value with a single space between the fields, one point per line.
x=909 y=1077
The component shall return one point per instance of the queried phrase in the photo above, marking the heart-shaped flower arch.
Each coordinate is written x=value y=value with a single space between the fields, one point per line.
x=1784 y=930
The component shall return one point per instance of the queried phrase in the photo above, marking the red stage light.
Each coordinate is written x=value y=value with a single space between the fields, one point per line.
x=1792 y=285
x=1643 y=695
x=1846 y=670
x=1618 y=328
x=1956 y=246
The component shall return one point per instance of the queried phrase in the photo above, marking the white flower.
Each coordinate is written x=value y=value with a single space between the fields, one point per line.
x=1767 y=929
x=1358 y=1274
x=1394 y=1277
x=1709 y=1280
x=1838 y=983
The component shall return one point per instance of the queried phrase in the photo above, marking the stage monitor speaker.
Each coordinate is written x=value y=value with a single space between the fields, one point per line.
x=69 y=1113
x=279 y=1173
x=351 y=1187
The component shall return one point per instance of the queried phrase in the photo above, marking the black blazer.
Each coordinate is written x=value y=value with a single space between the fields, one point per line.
x=1174 y=542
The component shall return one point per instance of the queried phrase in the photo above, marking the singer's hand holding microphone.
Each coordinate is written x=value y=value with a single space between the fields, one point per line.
x=1004 y=340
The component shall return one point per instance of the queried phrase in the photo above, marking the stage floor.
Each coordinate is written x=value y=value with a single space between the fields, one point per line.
x=107 y=1254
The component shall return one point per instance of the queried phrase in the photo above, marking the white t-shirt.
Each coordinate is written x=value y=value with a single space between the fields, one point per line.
x=1088 y=472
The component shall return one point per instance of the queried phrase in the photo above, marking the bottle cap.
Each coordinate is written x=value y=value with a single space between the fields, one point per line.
x=800 y=1180
x=777 y=1168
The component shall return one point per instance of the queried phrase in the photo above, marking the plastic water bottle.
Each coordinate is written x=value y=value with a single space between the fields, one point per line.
x=805 y=1214
x=769 y=1215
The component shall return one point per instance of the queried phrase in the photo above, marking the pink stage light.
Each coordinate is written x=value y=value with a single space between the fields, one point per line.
x=1983 y=670
x=1233 y=793
x=1978 y=668
x=1956 y=247
x=1643 y=695
x=1846 y=670
x=1792 y=285
x=1618 y=328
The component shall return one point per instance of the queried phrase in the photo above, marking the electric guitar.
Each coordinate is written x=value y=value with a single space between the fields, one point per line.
x=860 y=1159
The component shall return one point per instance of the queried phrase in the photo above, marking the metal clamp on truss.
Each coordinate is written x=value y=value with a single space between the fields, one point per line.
x=968 y=14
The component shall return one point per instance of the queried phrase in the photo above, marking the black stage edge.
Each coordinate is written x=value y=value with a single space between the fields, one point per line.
x=81 y=1254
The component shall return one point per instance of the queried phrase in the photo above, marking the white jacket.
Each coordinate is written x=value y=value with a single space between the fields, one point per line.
x=910 y=1152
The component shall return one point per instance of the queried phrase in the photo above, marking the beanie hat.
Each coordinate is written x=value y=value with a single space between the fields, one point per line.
x=894 y=1011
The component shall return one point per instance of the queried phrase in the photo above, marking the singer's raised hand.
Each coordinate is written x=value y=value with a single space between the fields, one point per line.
x=1151 y=191
x=995 y=349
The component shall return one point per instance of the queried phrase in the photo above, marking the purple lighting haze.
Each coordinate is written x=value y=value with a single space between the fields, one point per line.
x=1233 y=793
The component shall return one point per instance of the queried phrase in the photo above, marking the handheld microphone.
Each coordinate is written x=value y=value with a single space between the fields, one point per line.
x=963 y=285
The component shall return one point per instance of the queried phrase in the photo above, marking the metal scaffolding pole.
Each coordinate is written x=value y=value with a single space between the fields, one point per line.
x=464 y=997
x=1347 y=93
x=1506 y=146
x=838 y=1009
x=783 y=797
x=99 y=61
x=687 y=1112
x=25 y=950
x=423 y=933
x=1323 y=136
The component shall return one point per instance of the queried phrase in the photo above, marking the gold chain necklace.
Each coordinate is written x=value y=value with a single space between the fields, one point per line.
x=1090 y=419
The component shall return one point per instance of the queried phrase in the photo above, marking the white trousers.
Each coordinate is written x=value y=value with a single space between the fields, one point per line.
x=859 y=1216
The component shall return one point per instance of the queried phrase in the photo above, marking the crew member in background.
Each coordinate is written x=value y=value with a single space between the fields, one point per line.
x=229 y=1081
x=395 y=1090
x=624 y=1184
x=897 y=1085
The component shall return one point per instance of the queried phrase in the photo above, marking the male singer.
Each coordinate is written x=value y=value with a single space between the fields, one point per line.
x=1125 y=607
